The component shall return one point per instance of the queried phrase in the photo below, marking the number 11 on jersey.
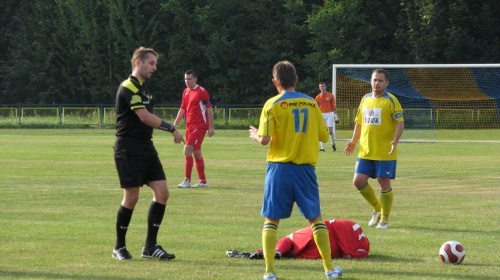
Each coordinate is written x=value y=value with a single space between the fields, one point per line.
x=297 y=114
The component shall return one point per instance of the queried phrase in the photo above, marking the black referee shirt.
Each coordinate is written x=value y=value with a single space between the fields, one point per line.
x=131 y=95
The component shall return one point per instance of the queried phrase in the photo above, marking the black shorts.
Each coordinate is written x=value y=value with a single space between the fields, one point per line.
x=137 y=163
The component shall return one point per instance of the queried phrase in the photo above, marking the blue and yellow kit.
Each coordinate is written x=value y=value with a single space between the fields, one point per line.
x=378 y=120
x=295 y=124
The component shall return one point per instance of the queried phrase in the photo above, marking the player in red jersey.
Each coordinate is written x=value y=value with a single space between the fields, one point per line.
x=197 y=109
x=347 y=240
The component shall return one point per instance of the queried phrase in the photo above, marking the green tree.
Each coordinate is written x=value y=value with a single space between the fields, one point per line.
x=75 y=51
x=26 y=72
x=234 y=44
x=452 y=31
x=355 y=31
x=133 y=24
x=68 y=51
x=7 y=29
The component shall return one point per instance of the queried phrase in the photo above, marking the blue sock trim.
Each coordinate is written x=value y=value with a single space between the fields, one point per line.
x=387 y=191
x=270 y=225
x=319 y=226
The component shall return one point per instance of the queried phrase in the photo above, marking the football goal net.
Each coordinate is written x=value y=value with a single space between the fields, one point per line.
x=434 y=97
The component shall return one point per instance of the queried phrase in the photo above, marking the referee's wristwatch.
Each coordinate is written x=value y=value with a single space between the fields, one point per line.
x=174 y=128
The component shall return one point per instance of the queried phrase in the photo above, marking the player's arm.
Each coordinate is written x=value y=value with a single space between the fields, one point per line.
x=335 y=116
x=179 y=117
x=349 y=147
x=399 y=131
x=149 y=119
x=210 y=114
x=264 y=140
x=334 y=110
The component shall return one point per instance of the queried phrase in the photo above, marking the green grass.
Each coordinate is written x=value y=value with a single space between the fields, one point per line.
x=60 y=195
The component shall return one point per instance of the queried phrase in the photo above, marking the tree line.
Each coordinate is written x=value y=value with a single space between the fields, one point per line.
x=69 y=51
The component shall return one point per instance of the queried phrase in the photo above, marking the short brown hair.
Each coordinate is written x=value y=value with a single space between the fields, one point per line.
x=142 y=53
x=284 y=73
x=382 y=71
x=191 y=72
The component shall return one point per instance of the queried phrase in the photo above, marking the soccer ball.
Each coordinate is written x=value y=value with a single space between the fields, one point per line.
x=452 y=252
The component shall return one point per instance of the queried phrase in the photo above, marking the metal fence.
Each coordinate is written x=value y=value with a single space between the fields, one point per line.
x=105 y=114
x=233 y=116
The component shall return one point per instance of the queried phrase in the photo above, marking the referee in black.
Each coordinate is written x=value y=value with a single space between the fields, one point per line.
x=136 y=158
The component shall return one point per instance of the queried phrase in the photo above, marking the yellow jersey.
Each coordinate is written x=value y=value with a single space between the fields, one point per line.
x=378 y=120
x=295 y=125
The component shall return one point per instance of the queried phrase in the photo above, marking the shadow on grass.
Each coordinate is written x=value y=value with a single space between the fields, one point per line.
x=46 y=275
x=423 y=275
x=385 y=258
x=355 y=273
x=455 y=230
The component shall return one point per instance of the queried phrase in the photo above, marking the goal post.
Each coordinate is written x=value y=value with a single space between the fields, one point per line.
x=433 y=96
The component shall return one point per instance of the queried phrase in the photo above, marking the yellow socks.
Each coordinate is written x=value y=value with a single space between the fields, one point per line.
x=269 y=241
x=322 y=239
x=369 y=194
x=386 y=198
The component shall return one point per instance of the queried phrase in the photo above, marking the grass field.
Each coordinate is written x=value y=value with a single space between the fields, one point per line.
x=60 y=196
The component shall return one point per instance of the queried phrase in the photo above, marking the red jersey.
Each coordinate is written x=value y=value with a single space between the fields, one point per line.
x=326 y=102
x=346 y=237
x=195 y=102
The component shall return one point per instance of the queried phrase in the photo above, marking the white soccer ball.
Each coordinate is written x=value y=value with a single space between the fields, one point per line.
x=452 y=252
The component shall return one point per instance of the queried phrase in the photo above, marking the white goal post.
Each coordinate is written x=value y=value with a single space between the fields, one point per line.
x=433 y=96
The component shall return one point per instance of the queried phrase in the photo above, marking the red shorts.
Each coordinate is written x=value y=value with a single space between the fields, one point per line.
x=195 y=137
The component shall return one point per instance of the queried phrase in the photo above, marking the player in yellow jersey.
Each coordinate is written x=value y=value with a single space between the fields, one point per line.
x=293 y=124
x=379 y=126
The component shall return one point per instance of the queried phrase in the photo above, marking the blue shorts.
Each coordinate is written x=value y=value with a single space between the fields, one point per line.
x=376 y=168
x=287 y=183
